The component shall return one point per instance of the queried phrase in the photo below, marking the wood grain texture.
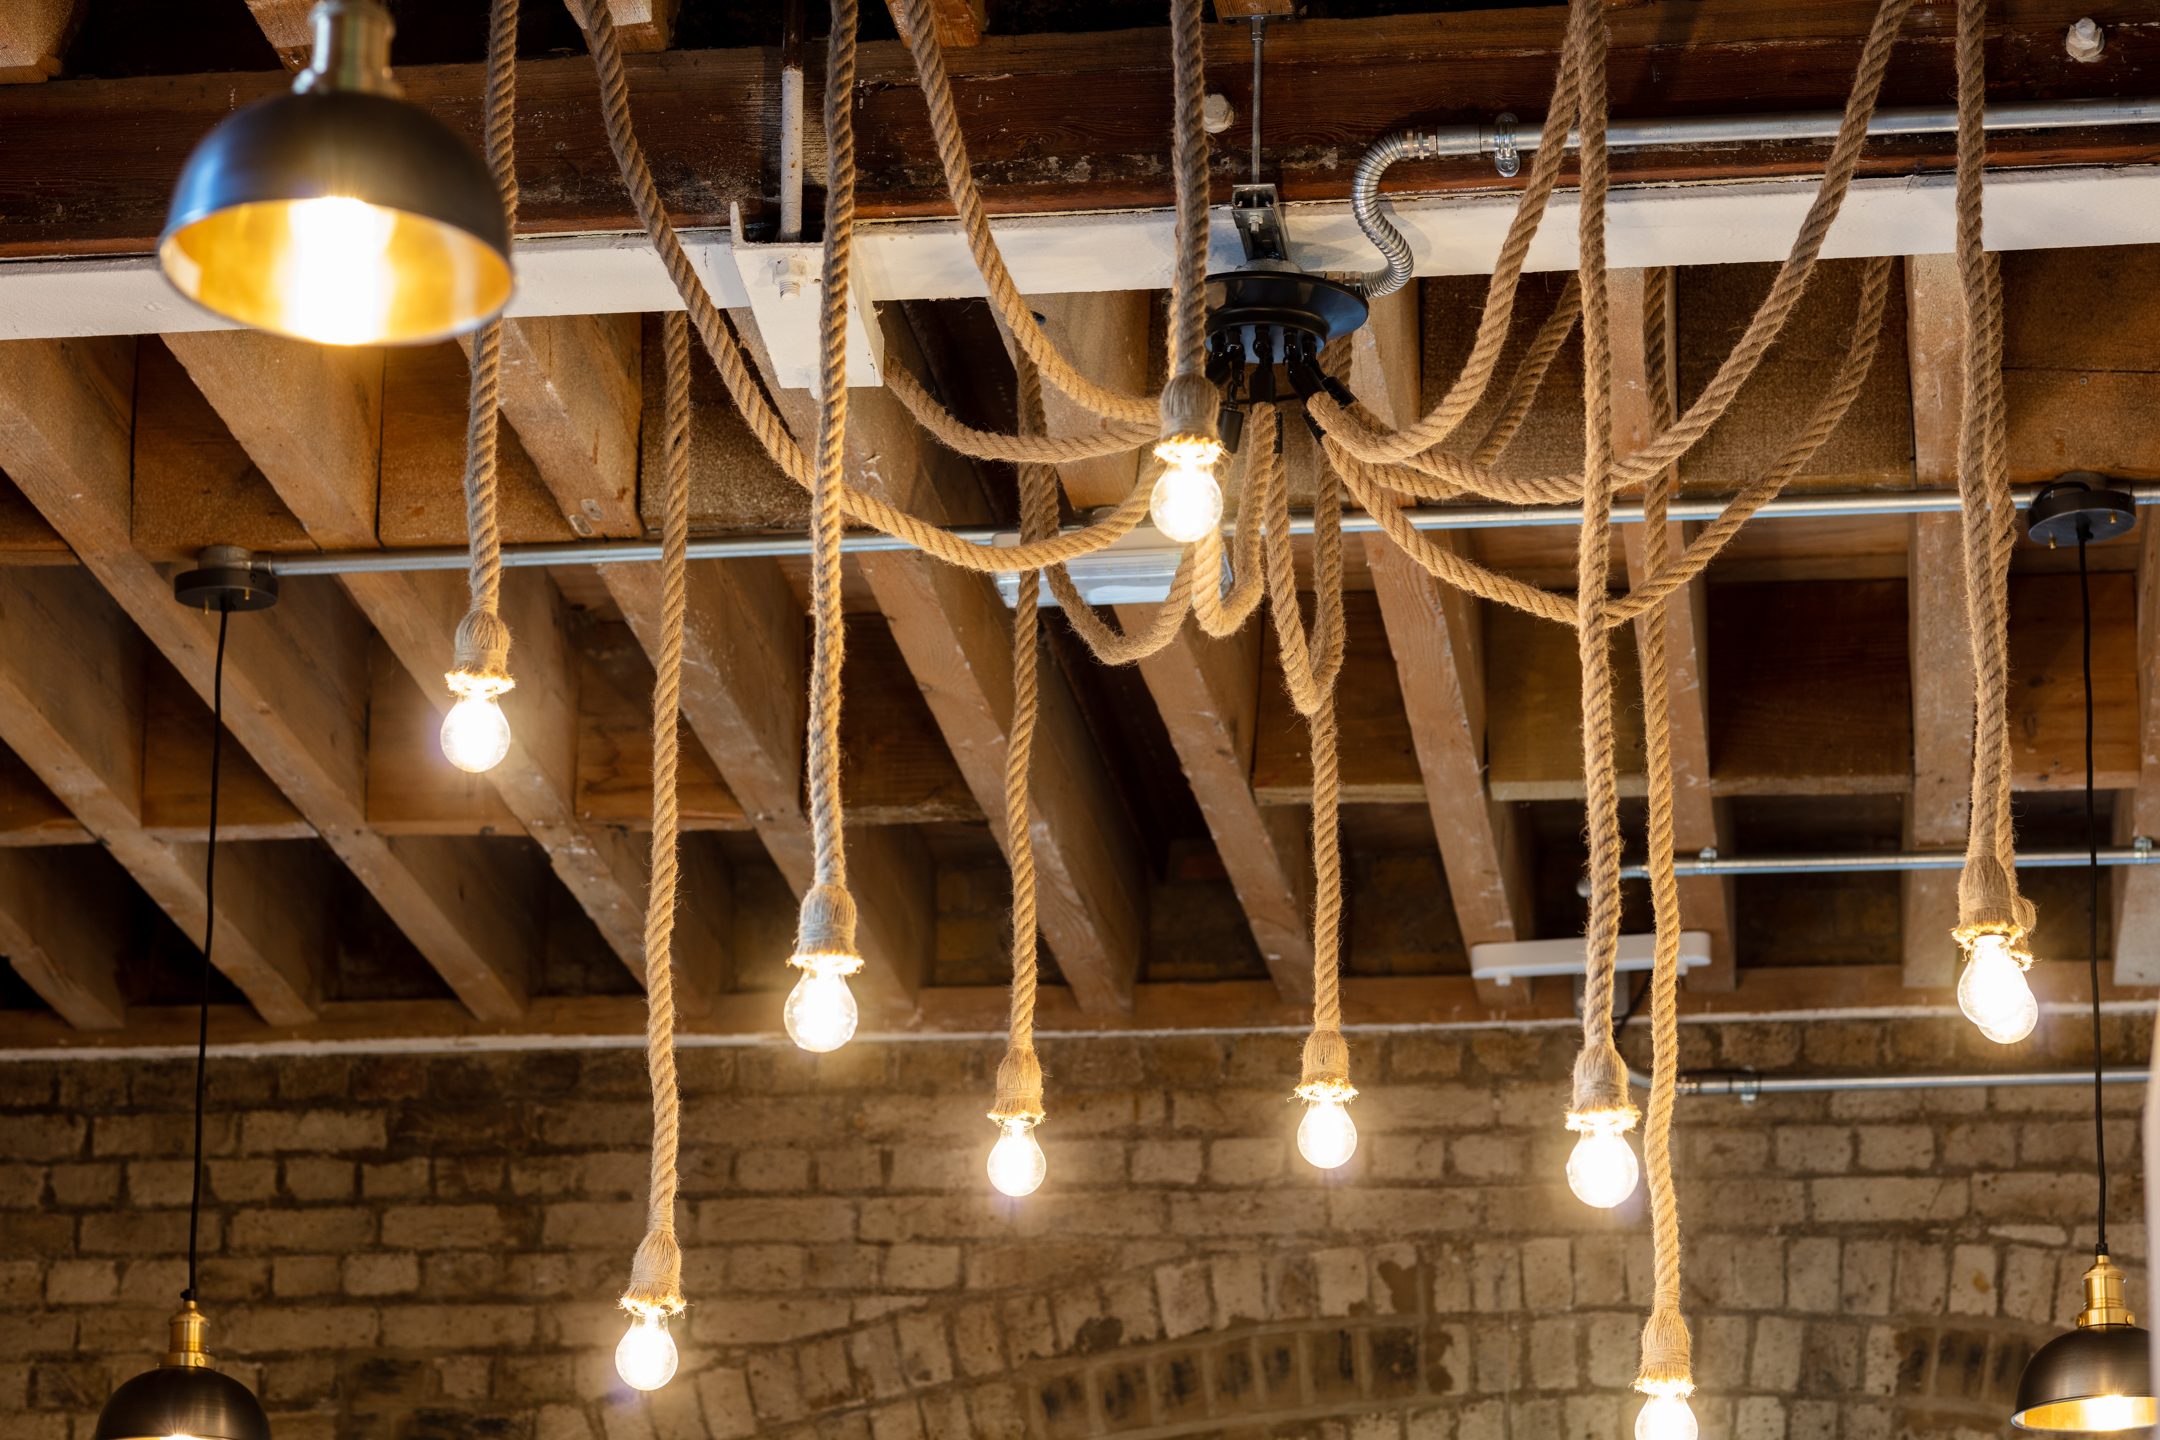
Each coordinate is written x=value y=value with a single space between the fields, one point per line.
x=96 y=160
x=2135 y=892
x=63 y=932
x=572 y=388
x=422 y=497
x=1379 y=762
x=1106 y=336
x=1533 y=708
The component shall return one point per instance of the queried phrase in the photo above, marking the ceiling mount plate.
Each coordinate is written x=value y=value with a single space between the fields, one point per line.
x=2079 y=505
x=226 y=577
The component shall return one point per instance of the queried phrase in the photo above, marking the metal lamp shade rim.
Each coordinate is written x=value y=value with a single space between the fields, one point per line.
x=2089 y=1363
x=172 y=1400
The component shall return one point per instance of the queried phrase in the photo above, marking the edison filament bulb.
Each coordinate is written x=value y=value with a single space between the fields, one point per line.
x=820 y=1014
x=1602 y=1171
x=1327 y=1136
x=1993 y=993
x=475 y=735
x=1665 y=1417
x=1017 y=1166
x=646 y=1358
x=1187 y=501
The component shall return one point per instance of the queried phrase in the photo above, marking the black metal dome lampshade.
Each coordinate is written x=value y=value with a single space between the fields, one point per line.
x=2099 y=1376
x=183 y=1396
x=340 y=213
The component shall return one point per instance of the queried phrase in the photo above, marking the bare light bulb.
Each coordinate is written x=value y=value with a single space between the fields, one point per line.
x=820 y=1014
x=1017 y=1165
x=336 y=282
x=1327 y=1136
x=2104 y=1413
x=646 y=1358
x=1187 y=501
x=1665 y=1417
x=1993 y=993
x=1602 y=1171
x=475 y=734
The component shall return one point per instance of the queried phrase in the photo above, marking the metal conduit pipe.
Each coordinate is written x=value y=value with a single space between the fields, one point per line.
x=1855 y=862
x=1503 y=140
x=1747 y=1086
x=1431 y=517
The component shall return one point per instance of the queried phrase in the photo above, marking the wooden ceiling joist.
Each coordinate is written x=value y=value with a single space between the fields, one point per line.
x=704 y=114
x=2136 y=890
x=63 y=933
x=296 y=676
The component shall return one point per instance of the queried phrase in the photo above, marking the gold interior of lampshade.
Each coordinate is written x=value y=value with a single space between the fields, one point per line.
x=2093 y=1413
x=338 y=271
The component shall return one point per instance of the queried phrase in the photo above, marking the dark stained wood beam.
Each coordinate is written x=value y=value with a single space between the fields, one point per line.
x=64 y=932
x=1083 y=120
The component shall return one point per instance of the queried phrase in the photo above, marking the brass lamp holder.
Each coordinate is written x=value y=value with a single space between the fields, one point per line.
x=189 y=1329
x=2104 y=1303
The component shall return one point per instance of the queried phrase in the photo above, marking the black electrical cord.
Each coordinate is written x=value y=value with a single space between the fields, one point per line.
x=202 y=1028
x=2092 y=883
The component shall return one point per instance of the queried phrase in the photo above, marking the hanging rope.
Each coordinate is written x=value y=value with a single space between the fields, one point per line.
x=480 y=665
x=1601 y=1098
x=825 y=932
x=656 y=1275
x=1666 y=1369
x=1988 y=898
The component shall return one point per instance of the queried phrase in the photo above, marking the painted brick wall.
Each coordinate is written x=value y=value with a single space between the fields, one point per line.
x=420 y=1248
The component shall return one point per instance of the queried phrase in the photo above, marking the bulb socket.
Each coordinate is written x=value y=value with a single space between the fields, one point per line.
x=190 y=1331
x=352 y=50
x=2104 y=1303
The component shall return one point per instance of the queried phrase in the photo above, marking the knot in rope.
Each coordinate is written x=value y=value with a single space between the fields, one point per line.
x=825 y=930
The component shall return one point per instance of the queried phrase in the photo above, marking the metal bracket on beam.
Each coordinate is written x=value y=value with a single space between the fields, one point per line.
x=785 y=281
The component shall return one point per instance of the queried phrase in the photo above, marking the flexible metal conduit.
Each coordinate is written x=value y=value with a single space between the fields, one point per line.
x=1433 y=517
x=1472 y=140
x=1748 y=1086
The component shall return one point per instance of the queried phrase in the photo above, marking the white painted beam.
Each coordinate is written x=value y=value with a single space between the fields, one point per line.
x=1697 y=224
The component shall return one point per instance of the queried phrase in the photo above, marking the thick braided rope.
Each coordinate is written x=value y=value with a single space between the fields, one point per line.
x=1019 y=1077
x=1367 y=485
x=957 y=435
x=1374 y=442
x=1188 y=163
x=1665 y=1360
x=1601 y=1084
x=743 y=387
x=1530 y=373
x=1310 y=672
x=827 y=925
x=1746 y=355
x=480 y=663
x=656 y=1275
x=1988 y=899
x=921 y=36
x=1223 y=614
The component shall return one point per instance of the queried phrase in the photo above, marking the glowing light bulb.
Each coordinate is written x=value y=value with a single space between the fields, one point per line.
x=335 y=283
x=1187 y=501
x=2108 y=1412
x=1602 y=1171
x=1327 y=1137
x=475 y=735
x=1993 y=993
x=646 y=1358
x=820 y=1014
x=1017 y=1165
x=1665 y=1417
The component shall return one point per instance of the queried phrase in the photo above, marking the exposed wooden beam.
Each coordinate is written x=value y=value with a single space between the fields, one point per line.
x=122 y=142
x=1104 y=333
x=34 y=36
x=1940 y=806
x=1812 y=991
x=572 y=388
x=1699 y=821
x=1437 y=635
x=956 y=635
x=959 y=23
x=1208 y=692
x=72 y=706
x=2136 y=891
x=296 y=676
x=62 y=929
x=325 y=470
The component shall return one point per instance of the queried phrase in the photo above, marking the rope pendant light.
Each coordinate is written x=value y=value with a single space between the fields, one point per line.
x=475 y=735
x=339 y=213
x=821 y=1013
x=1993 y=918
x=186 y=1395
x=646 y=1357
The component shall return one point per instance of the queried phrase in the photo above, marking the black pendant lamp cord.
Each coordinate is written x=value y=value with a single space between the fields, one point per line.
x=202 y=1028
x=2092 y=882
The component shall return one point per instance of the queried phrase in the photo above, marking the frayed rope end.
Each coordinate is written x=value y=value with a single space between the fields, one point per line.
x=1601 y=1094
x=656 y=1276
x=1019 y=1087
x=1666 y=1367
x=825 y=933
